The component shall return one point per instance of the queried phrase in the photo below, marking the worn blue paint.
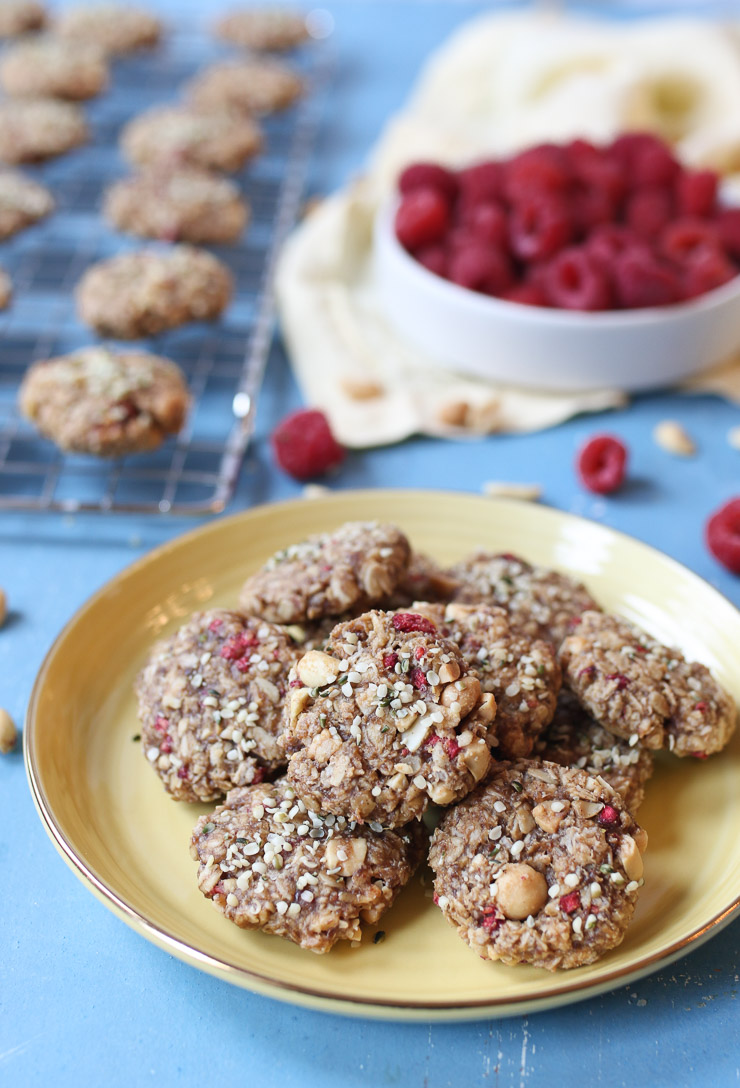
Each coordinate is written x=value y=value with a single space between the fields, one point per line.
x=83 y=1000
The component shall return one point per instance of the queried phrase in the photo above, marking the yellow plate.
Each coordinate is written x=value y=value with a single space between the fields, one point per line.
x=110 y=819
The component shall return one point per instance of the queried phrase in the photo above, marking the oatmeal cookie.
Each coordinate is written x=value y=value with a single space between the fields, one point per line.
x=48 y=66
x=6 y=289
x=540 y=602
x=111 y=28
x=386 y=720
x=644 y=691
x=96 y=401
x=574 y=739
x=35 y=129
x=177 y=203
x=542 y=865
x=145 y=293
x=356 y=565
x=255 y=86
x=523 y=675
x=267 y=862
x=211 y=139
x=423 y=581
x=22 y=202
x=265 y=30
x=20 y=16
x=210 y=702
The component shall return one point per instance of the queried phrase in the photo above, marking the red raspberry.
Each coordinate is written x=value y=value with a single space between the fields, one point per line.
x=645 y=159
x=696 y=193
x=602 y=463
x=684 y=238
x=610 y=239
x=412 y=621
x=539 y=227
x=433 y=258
x=570 y=902
x=621 y=680
x=481 y=183
x=423 y=217
x=728 y=228
x=486 y=222
x=390 y=661
x=428 y=175
x=722 y=534
x=595 y=168
x=574 y=281
x=528 y=294
x=304 y=446
x=492 y=920
x=451 y=746
x=708 y=269
x=480 y=267
x=608 y=817
x=648 y=211
x=418 y=678
x=538 y=170
x=591 y=207
x=640 y=280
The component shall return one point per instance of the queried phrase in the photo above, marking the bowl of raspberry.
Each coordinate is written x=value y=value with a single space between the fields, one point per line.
x=565 y=266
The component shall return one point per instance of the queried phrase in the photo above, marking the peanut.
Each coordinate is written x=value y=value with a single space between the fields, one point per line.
x=8 y=732
x=476 y=758
x=3 y=606
x=316 y=669
x=498 y=489
x=673 y=438
x=348 y=854
x=449 y=672
x=465 y=692
x=630 y=857
x=520 y=891
x=548 y=820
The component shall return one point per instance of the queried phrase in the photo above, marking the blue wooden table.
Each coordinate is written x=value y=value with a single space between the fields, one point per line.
x=84 y=1000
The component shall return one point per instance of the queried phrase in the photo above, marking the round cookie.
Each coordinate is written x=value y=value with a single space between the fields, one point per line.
x=268 y=30
x=145 y=293
x=268 y=863
x=542 y=603
x=211 y=701
x=182 y=203
x=522 y=674
x=211 y=139
x=20 y=16
x=542 y=866
x=95 y=401
x=36 y=129
x=6 y=289
x=48 y=66
x=356 y=565
x=255 y=86
x=111 y=28
x=644 y=691
x=22 y=202
x=385 y=720
x=574 y=739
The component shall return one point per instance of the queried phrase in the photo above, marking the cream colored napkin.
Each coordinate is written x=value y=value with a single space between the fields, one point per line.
x=501 y=82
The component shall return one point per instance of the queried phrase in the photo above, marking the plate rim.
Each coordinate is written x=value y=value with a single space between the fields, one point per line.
x=300 y=993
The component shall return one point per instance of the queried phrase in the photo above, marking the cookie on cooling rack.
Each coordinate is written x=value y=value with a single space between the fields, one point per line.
x=142 y=294
x=105 y=403
x=6 y=289
x=20 y=16
x=213 y=139
x=112 y=28
x=256 y=86
x=35 y=129
x=22 y=202
x=264 y=30
x=47 y=66
x=178 y=203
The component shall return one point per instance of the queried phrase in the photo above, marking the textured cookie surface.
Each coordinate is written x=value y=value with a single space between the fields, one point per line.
x=644 y=691
x=47 y=66
x=35 y=129
x=267 y=862
x=212 y=139
x=178 y=203
x=20 y=16
x=96 y=401
x=211 y=702
x=542 y=865
x=255 y=86
x=112 y=28
x=269 y=30
x=144 y=293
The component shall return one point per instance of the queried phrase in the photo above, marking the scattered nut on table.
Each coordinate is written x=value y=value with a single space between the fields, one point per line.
x=499 y=489
x=3 y=606
x=8 y=732
x=673 y=438
x=733 y=437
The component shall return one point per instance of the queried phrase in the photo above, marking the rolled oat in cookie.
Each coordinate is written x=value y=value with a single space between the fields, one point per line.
x=213 y=139
x=267 y=862
x=386 y=719
x=112 y=28
x=211 y=701
x=542 y=865
x=644 y=691
x=20 y=16
x=424 y=580
x=268 y=30
x=522 y=674
x=42 y=66
x=105 y=403
x=356 y=565
x=145 y=293
x=258 y=85
x=35 y=129
x=542 y=603
x=22 y=202
x=181 y=203
x=575 y=739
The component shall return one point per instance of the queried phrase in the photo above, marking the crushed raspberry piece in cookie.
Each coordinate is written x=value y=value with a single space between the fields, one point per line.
x=304 y=446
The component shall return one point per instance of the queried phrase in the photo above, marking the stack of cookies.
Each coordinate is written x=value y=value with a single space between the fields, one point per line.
x=358 y=695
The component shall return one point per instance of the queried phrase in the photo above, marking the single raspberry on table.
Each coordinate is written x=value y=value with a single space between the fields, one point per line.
x=722 y=534
x=304 y=446
x=423 y=217
x=428 y=175
x=602 y=463
x=574 y=281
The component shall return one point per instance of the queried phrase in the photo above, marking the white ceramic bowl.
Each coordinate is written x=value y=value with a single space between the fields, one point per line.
x=550 y=349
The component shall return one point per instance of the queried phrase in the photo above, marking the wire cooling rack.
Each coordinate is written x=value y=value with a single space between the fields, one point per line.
x=223 y=362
